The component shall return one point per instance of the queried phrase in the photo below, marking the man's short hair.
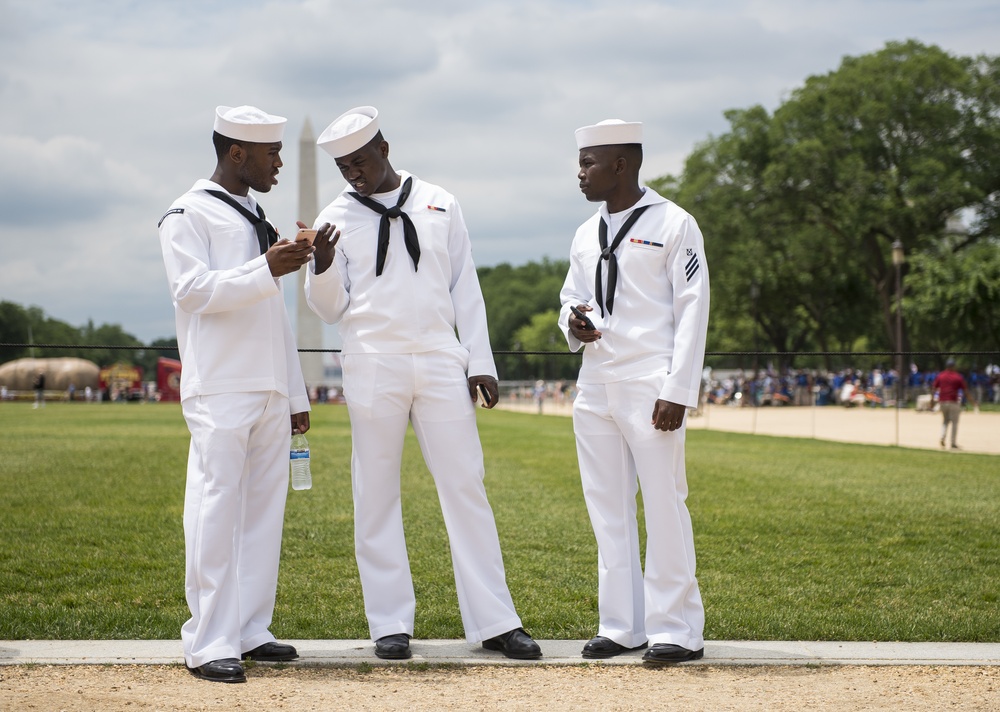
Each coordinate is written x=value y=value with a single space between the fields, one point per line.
x=633 y=154
x=223 y=144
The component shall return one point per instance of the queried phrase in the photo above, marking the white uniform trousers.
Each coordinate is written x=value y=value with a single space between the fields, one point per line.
x=383 y=393
x=234 y=508
x=619 y=450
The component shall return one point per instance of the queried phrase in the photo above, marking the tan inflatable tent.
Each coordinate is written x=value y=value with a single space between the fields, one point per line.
x=59 y=373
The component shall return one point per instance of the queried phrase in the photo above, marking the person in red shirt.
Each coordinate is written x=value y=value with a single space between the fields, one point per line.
x=948 y=388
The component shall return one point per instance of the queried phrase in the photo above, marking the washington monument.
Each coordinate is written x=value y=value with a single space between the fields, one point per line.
x=309 y=329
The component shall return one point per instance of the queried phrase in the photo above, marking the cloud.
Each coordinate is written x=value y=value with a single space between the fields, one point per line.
x=321 y=49
x=108 y=108
x=64 y=180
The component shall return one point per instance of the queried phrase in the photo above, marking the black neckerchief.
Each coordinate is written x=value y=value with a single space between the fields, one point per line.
x=409 y=231
x=266 y=234
x=608 y=253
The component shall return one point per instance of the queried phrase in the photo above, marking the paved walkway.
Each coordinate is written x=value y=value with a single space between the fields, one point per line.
x=557 y=652
x=977 y=432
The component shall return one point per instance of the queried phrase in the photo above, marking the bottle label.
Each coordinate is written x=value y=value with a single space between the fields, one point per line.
x=300 y=455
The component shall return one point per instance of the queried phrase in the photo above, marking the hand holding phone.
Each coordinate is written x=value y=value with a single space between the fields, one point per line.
x=587 y=323
x=307 y=235
x=484 y=394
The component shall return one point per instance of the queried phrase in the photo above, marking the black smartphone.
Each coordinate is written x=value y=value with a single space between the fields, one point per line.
x=484 y=394
x=587 y=323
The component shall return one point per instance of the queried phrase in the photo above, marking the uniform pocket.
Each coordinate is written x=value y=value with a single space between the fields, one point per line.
x=230 y=247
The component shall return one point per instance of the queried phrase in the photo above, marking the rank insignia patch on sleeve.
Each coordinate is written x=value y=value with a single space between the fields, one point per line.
x=691 y=268
x=178 y=211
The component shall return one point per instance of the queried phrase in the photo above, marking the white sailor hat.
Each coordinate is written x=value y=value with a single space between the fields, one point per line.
x=610 y=132
x=248 y=123
x=349 y=131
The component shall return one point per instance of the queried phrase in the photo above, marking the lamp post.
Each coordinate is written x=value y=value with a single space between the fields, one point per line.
x=898 y=258
x=754 y=295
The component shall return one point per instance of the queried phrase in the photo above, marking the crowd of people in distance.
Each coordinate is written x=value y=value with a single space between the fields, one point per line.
x=847 y=387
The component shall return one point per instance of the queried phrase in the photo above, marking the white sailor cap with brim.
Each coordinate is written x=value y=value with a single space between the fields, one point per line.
x=610 y=132
x=250 y=124
x=350 y=131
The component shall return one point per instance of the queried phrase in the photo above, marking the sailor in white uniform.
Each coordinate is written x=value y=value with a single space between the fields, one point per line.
x=638 y=275
x=401 y=282
x=242 y=393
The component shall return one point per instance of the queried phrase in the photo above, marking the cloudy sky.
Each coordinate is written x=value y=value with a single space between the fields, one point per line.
x=107 y=109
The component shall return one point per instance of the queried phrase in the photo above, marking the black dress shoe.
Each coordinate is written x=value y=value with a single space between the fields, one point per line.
x=224 y=670
x=393 y=647
x=601 y=647
x=515 y=644
x=665 y=654
x=272 y=652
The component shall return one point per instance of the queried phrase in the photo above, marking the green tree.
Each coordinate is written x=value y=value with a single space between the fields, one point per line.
x=774 y=287
x=542 y=333
x=13 y=330
x=953 y=296
x=888 y=148
x=110 y=335
x=800 y=208
x=513 y=296
x=31 y=325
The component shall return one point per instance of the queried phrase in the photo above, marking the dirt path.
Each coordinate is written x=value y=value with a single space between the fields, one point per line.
x=745 y=689
x=977 y=432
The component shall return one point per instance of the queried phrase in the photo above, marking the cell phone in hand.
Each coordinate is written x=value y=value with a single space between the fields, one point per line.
x=307 y=235
x=484 y=394
x=587 y=323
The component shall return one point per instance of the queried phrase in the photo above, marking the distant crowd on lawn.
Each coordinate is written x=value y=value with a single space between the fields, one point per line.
x=847 y=387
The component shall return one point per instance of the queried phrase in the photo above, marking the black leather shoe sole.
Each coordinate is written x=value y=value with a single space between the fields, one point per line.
x=394 y=654
x=607 y=648
x=213 y=672
x=668 y=655
x=272 y=653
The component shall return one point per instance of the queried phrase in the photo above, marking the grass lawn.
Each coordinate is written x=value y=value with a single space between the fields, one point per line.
x=796 y=539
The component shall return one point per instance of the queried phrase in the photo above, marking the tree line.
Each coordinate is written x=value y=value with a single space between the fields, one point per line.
x=31 y=325
x=522 y=304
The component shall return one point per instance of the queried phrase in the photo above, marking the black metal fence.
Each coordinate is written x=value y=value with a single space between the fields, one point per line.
x=753 y=377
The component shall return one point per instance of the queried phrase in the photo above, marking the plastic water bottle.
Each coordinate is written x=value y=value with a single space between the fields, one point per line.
x=301 y=475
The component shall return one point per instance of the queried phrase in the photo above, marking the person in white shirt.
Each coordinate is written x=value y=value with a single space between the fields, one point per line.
x=399 y=279
x=242 y=394
x=639 y=281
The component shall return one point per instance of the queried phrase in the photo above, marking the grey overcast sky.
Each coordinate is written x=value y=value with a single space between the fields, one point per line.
x=107 y=109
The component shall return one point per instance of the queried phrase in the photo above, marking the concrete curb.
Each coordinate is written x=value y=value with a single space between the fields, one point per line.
x=556 y=652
